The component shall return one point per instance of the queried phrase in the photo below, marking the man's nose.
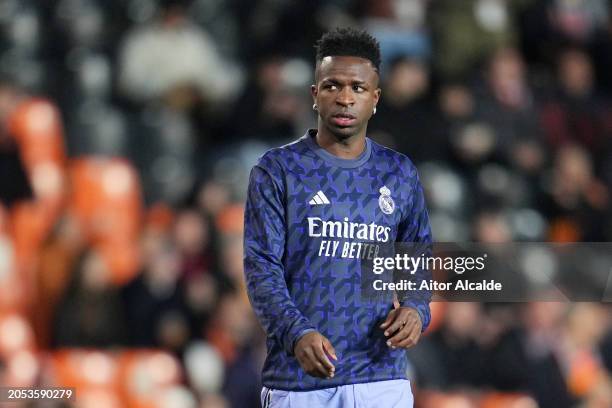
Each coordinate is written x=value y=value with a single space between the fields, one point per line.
x=345 y=97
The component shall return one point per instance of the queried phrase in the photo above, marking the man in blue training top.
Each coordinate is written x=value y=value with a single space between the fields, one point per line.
x=315 y=209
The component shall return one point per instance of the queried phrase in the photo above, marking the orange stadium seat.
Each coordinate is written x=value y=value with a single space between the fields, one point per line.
x=17 y=351
x=98 y=398
x=231 y=219
x=81 y=368
x=106 y=199
x=160 y=217
x=585 y=372
x=92 y=373
x=146 y=373
x=507 y=400
x=37 y=128
x=564 y=230
x=436 y=399
x=36 y=125
x=130 y=378
x=30 y=223
x=22 y=369
x=15 y=333
x=105 y=195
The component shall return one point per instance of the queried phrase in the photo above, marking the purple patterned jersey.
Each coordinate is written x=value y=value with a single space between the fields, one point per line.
x=310 y=219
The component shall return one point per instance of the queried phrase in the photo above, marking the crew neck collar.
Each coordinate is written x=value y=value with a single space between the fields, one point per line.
x=332 y=159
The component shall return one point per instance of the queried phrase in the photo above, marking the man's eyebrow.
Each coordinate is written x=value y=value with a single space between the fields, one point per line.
x=338 y=82
x=331 y=81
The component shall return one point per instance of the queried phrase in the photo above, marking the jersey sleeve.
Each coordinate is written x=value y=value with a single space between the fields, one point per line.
x=264 y=248
x=415 y=230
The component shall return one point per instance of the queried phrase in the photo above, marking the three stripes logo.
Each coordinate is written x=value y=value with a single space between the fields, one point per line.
x=319 y=199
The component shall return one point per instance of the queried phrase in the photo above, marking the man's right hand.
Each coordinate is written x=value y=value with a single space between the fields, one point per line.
x=312 y=351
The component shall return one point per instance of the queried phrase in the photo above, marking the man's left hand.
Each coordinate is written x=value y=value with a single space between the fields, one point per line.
x=404 y=324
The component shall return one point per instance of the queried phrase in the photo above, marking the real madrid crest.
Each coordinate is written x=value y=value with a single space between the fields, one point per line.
x=385 y=202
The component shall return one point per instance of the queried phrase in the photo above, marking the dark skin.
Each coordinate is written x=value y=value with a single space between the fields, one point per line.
x=346 y=85
x=346 y=93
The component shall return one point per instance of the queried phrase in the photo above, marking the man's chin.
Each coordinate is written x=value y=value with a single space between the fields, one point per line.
x=344 y=132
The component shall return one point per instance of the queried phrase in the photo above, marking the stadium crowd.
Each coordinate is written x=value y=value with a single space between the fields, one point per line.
x=127 y=131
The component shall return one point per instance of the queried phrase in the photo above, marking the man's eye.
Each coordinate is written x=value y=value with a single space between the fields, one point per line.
x=331 y=87
x=358 y=88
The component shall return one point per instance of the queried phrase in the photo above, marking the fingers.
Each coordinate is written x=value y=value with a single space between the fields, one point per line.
x=411 y=339
x=398 y=323
x=329 y=349
x=390 y=319
x=404 y=327
x=322 y=359
x=406 y=336
x=317 y=366
x=310 y=363
x=312 y=356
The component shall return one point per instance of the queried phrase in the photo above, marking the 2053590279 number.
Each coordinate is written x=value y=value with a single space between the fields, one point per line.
x=8 y=394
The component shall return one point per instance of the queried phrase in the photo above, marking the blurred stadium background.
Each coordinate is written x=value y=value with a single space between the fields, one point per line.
x=127 y=130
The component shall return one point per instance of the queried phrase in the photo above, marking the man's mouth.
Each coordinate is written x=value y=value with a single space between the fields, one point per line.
x=344 y=119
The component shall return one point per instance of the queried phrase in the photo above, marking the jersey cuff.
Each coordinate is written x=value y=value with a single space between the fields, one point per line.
x=422 y=309
x=300 y=334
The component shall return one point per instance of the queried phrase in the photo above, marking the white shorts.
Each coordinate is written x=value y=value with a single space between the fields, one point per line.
x=378 y=394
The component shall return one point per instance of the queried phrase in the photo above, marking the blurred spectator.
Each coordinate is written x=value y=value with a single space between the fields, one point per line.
x=232 y=328
x=155 y=308
x=174 y=60
x=231 y=252
x=399 y=27
x=239 y=339
x=492 y=227
x=274 y=100
x=577 y=196
x=576 y=112
x=547 y=27
x=581 y=359
x=165 y=147
x=528 y=360
x=466 y=33
x=192 y=236
x=466 y=141
x=509 y=109
x=458 y=359
x=212 y=198
x=577 y=21
x=456 y=101
x=403 y=118
x=91 y=313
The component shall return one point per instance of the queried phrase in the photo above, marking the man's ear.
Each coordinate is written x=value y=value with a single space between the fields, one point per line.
x=377 y=93
x=314 y=91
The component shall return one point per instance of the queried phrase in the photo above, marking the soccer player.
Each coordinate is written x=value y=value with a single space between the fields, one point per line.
x=315 y=208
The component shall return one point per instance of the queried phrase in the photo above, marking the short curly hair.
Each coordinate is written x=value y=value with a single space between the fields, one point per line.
x=349 y=42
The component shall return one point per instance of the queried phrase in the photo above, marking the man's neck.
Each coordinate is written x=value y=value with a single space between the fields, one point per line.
x=348 y=148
